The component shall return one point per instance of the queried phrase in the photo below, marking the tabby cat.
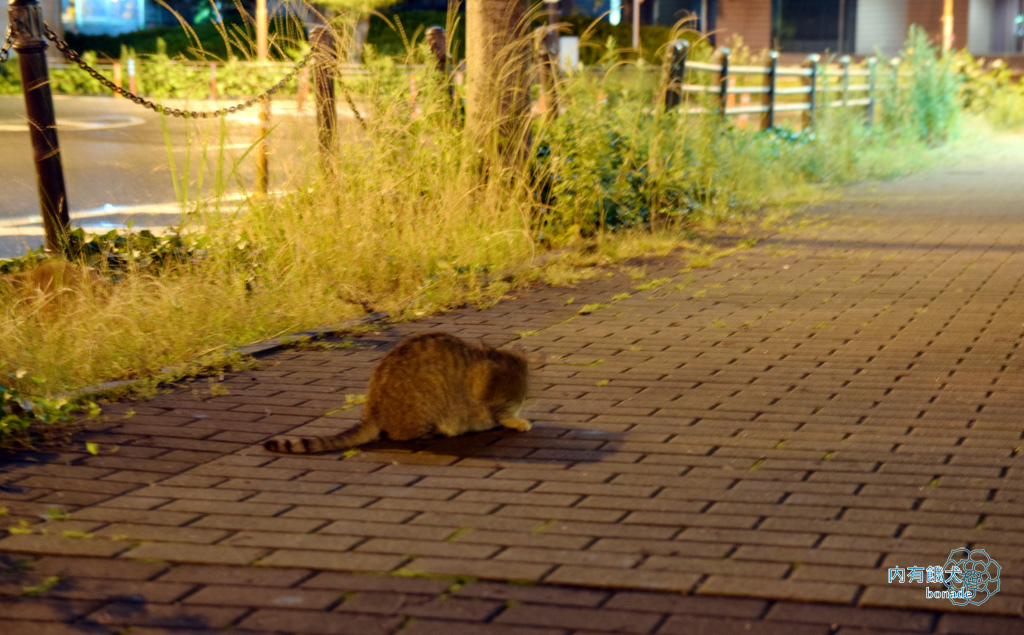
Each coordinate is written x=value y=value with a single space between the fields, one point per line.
x=431 y=383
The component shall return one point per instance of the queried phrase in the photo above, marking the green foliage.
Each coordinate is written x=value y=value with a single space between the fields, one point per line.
x=931 y=89
x=596 y=33
x=392 y=31
x=206 y=42
x=23 y=415
x=116 y=252
x=992 y=91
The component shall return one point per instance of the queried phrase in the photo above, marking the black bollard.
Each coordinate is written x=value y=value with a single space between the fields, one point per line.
x=26 y=19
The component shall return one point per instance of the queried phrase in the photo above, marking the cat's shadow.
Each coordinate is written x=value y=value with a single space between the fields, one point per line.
x=543 y=443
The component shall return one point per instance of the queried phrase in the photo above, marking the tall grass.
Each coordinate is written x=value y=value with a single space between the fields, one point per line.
x=405 y=221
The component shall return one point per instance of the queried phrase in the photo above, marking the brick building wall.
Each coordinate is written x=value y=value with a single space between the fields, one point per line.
x=750 y=19
x=928 y=15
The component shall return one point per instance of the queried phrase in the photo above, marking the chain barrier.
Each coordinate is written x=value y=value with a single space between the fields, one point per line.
x=72 y=55
x=5 y=50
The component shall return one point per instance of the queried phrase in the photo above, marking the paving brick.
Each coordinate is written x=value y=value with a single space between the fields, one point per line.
x=45 y=609
x=95 y=567
x=616 y=578
x=387 y=530
x=899 y=621
x=25 y=627
x=125 y=531
x=426 y=587
x=319 y=623
x=217 y=521
x=532 y=594
x=134 y=516
x=484 y=569
x=579 y=618
x=512 y=538
x=443 y=627
x=738 y=608
x=290 y=540
x=689 y=625
x=235 y=576
x=246 y=596
x=198 y=554
x=101 y=589
x=332 y=560
x=56 y=544
x=978 y=625
x=778 y=589
x=225 y=507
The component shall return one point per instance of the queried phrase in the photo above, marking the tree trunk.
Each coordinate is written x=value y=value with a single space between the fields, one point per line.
x=497 y=78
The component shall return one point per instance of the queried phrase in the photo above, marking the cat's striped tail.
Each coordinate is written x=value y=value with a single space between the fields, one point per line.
x=328 y=443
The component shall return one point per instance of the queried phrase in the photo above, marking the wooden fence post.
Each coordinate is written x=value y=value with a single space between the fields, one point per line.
x=322 y=42
x=723 y=82
x=812 y=96
x=768 y=119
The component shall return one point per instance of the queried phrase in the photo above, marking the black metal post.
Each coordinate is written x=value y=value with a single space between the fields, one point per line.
x=676 y=57
x=723 y=81
x=812 y=96
x=872 y=82
x=26 y=20
x=322 y=42
x=771 y=82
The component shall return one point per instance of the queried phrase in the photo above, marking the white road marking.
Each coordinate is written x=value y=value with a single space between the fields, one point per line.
x=108 y=122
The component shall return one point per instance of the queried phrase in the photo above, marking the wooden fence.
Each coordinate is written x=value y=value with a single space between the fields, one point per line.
x=718 y=86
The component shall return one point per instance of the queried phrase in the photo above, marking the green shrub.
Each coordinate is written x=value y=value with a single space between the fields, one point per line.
x=991 y=92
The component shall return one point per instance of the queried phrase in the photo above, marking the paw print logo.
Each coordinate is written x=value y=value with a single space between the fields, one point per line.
x=972 y=571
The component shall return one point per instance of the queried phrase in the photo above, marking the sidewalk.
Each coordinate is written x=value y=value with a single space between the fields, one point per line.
x=744 y=448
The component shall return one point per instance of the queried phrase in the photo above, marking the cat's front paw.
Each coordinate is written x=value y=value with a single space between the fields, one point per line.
x=515 y=423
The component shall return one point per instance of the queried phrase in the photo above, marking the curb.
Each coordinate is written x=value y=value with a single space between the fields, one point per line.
x=255 y=350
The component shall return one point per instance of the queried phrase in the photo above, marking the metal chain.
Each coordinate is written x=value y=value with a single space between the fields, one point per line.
x=72 y=55
x=5 y=50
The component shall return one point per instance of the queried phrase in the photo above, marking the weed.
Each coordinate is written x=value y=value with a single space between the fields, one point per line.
x=652 y=284
x=45 y=585
x=587 y=309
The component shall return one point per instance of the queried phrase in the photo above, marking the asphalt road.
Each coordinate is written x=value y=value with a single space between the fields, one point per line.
x=118 y=164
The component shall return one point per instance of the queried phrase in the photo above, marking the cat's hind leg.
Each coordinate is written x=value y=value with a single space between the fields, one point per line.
x=514 y=423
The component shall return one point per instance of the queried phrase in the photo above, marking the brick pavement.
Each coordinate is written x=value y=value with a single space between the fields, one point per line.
x=747 y=447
